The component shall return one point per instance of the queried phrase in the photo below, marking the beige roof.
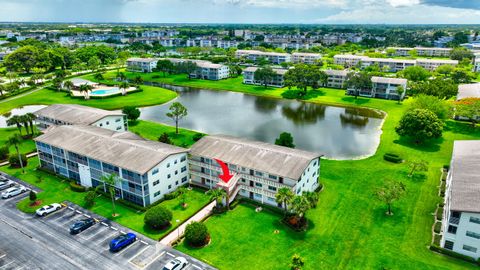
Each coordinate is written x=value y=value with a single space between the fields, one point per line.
x=350 y=56
x=273 y=159
x=306 y=54
x=333 y=72
x=468 y=91
x=279 y=71
x=465 y=173
x=75 y=114
x=261 y=53
x=439 y=61
x=390 y=60
x=389 y=80
x=123 y=149
x=138 y=59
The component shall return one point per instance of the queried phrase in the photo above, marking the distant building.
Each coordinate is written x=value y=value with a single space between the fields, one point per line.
x=141 y=64
x=468 y=91
x=461 y=215
x=476 y=63
x=277 y=81
x=336 y=78
x=348 y=60
x=388 y=64
x=442 y=41
x=382 y=87
x=226 y=44
x=423 y=51
x=432 y=64
x=272 y=57
x=307 y=58
x=209 y=71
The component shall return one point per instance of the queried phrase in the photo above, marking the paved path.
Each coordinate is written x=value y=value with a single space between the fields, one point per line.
x=28 y=156
x=200 y=215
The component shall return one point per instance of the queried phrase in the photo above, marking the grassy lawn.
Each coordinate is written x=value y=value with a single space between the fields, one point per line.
x=26 y=146
x=56 y=190
x=148 y=97
x=152 y=130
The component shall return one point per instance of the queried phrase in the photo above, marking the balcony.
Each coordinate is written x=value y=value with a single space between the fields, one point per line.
x=454 y=220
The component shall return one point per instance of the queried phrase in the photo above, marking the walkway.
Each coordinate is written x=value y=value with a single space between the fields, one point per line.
x=28 y=156
x=200 y=215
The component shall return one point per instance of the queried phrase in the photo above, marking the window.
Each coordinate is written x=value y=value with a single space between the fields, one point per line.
x=175 y=162
x=257 y=173
x=473 y=234
x=176 y=183
x=272 y=188
x=183 y=158
x=184 y=168
x=258 y=184
x=273 y=177
x=108 y=123
x=156 y=193
x=101 y=125
x=475 y=220
x=184 y=179
x=168 y=176
x=155 y=171
x=169 y=186
x=156 y=182
x=448 y=245
x=176 y=172
x=118 y=120
x=168 y=165
x=119 y=127
x=469 y=248
x=452 y=229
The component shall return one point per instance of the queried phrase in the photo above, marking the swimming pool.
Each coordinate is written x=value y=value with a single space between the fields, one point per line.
x=101 y=92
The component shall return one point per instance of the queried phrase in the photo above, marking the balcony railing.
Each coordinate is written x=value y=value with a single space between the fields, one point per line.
x=454 y=220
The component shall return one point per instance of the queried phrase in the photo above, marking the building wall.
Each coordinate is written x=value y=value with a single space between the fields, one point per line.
x=249 y=78
x=138 y=66
x=115 y=123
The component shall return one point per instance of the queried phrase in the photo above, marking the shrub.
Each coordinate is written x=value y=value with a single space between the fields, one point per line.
x=453 y=254
x=32 y=196
x=292 y=94
x=157 y=217
x=164 y=138
x=4 y=153
x=171 y=196
x=392 y=158
x=77 y=188
x=15 y=162
x=436 y=239
x=197 y=136
x=89 y=198
x=439 y=213
x=196 y=234
x=155 y=76
x=437 y=227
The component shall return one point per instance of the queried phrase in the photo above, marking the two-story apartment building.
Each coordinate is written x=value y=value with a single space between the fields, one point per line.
x=388 y=64
x=210 y=71
x=461 y=217
x=259 y=169
x=348 y=60
x=277 y=81
x=148 y=170
x=307 y=58
x=272 y=57
x=422 y=51
x=432 y=64
x=73 y=114
x=141 y=64
x=383 y=87
x=336 y=78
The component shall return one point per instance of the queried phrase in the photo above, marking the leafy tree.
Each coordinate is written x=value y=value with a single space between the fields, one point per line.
x=303 y=76
x=32 y=196
x=109 y=182
x=94 y=63
x=18 y=161
x=312 y=198
x=121 y=76
x=196 y=234
x=284 y=196
x=462 y=76
x=98 y=76
x=358 y=81
x=264 y=75
x=164 y=138
x=415 y=73
x=439 y=107
x=177 y=112
x=85 y=89
x=297 y=262
x=4 y=152
x=459 y=38
x=235 y=71
x=461 y=53
x=445 y=70
x=157 y=217
x=182 y=195
x=132 y=112
x=89 y=198
x=413 y=53
x=218 y=195
x=165 y=66
x=439 y=87
x=417 y=165
x=138 y=80
x=285 y=139
x=390 y=192
x=468 y=108
x=15 y=140
x=187 y=67
x=400 y=90
x=420 y=124
x=24 y=58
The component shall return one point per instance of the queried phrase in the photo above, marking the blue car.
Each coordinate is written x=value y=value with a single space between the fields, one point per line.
x=122 y=241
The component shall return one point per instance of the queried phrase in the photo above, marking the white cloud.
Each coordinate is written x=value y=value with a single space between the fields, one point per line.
x=402 y=3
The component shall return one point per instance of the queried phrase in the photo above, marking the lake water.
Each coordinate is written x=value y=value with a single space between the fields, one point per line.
x=336 y=132
x=19 y=111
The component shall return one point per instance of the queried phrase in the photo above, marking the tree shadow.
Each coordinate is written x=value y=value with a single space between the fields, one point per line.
x=358 y=101
x=427 y=146
x=459 y=127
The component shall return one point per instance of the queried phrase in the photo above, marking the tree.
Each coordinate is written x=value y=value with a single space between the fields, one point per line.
x=157 y=217
x=264 y=75
x=17 y=121
x=94 y=63
x=30 y=117
x=417 y=165
x=196 y=234
x=297 y=262
x=439 y=107
x=165 y=66
x=462 y=76
x=121 y=76
x=400 y=90
x=4 y=152
x=445 y=70
x=89 y=198
x=182 y=195
x=284 y=196
x=85 y=89
x=303 y=76
x=300 y=205
x=32 y=196
x=461 y=53
x=439 y=87
x=413 y=53
x=177 y=112
x=468 y=108
x=15 y=141
x=132 y=113
x=68 y=85
x=218 y=195
x=109 y=183
x=187 y=67
x=312 y=198
x=2 y=88
x=358 y=81
x=415 y=73
x=420 y=124
x=285 y=139
x=138 y=80
x=25 y=58
x=123 y=86
x=390 y=192
x=98 y=76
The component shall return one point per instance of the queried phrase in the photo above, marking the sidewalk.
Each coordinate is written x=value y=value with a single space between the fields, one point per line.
x=28 y=156
x=200 y=215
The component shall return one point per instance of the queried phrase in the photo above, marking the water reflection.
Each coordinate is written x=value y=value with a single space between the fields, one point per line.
x=18 y=111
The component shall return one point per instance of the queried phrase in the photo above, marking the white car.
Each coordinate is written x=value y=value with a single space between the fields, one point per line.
x=47 y=209
x=6 y=184
x=13 y=191
x=176 y=264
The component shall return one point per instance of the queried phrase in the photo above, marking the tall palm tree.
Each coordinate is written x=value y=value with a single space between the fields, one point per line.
x=68 y=85
x=85 y=89
x=138 y=80
x=121 y=76
x=284 y=196
x=217 y=194
x=31 y=117
x=312 y=198
x=15 y=141
x=24 y=119
x=15 y=120
x=123 y=86
x=300 y=206
x=109 y=182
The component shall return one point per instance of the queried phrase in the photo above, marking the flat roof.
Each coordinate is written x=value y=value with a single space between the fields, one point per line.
x=441 y=61
x=333 y=72
x=75 y=114
x=279 y=71
x=273 y=159
x=468 y=91
x=139 y=59
x=306 y=54
x=79 y=81
x=465 y=173
x=123 y=149
x=376 y=79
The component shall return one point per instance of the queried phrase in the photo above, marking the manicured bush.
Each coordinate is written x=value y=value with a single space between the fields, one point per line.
x=197 y=136
x=292 y=94
x=157 y=217
x=392 y=158
x=196 y=234
x=436 y=239
x=4 y=153
x=171 y=196
x=440 y=213
x=32 y=196
x=437 y=227
x=89 y=198
x=155 y=76
x=15 y=162
x=77 y=188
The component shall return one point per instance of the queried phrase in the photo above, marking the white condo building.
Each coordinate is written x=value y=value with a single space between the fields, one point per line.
x=72 y=114
x=272 y=57
x=432 y=64
x=141 y=64
x=390 y=64
x=336 y=78
x=423 y=51
x=277 y=80
x=461 y=217
x=383 y=87
x=259 y=169
x=148 y=170
x=476 y=63
x=307 y=58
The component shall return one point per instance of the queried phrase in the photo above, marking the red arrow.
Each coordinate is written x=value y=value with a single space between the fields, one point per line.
x=226 y=176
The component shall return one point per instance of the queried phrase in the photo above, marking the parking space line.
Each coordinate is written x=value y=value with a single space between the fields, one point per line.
x=125 y=248
x=71 y=208
x=2 y=267
x=87 y=215
x=170 y=254
x=139 y=252
x=3 y=256
x=108 y=236
x=198 y=267
x=122 y=232
x=149 y=263
x=104 y=224
x=143 y=242
x=78 y=211
x=113 y=228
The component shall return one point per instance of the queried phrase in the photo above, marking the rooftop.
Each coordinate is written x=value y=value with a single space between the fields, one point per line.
x=468 y=91
x=123 y=149
x=139 y=59
x=465 y=173
x=389 y=80
x=273 y=159
x=279 y=71
x=75 y=114
x=333 y=72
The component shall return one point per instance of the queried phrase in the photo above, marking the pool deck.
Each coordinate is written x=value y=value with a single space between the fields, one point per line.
x=77 y=93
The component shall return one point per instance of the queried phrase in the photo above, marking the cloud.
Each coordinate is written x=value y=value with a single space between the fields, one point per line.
x=463 y=4
x=402 y=3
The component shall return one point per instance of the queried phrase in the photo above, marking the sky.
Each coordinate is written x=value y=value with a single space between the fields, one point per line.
x=244 y=11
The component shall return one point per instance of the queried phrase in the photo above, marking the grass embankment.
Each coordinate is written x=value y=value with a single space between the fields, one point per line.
x=152 y=130
x=57 y=190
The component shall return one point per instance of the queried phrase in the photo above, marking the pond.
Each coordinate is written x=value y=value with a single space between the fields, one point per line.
x=19 y=111
x=336 y=132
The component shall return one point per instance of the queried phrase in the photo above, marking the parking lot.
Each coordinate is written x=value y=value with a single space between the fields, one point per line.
x=48 y=240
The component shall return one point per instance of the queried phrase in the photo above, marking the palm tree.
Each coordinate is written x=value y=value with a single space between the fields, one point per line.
x=138 y=80
x=121 y=76
x=111 y=181
x=123 y=86
x=300 y=206
x=85 y=89
x=15 y=120
x=68 y=85
x=31 y=117
x=15 y=141
x=2 y=89
x=284 y=196
x=312 y=198
x=217 y=194
x=182 y=194
x=24 y=119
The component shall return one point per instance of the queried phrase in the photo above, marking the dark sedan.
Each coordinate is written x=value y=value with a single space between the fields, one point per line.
x=81 y=225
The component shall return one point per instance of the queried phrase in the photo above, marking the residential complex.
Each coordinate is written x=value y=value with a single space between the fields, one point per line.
x=141 y=64
x=336 y=78
x=390 y=64
x=272 y=57
x=148 y=170
x=348 y=60
x=383 y=87
x=461 y=217
x=422 y=51
x=259 y=169
x=432 y=64
x=72 y=114
x=277 y=81
x=307 y=58
x=210 y=71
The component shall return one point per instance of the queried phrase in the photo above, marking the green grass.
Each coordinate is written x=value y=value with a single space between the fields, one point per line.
x=152 y=130
x=58 y=190
x=148 y=97
x=26 y=146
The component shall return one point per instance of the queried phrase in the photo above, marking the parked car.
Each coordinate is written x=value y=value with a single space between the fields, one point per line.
x=81 y=225
x=6 y=184
x=13 y=191
x=176 y=264
x=122 y=241
x=47 y=209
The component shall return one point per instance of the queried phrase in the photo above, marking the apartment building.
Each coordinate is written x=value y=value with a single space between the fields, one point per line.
x=471 y=90
x=423 y=51
x=72 y=114
x=348 y=60
x=148 y=170
x=277 y=81
x=141 y=64
x=432 y=64
x=226 y=44
x=382 y=87
x=259 y=169
x=336 y=78
x=476 y=63
x=307 y=58
x=388 y=64
x=272 y=57
x=461 y=217
x=209 y=71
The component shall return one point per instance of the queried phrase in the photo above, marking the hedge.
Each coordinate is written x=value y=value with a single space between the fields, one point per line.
x=15 y=162
x=77 y=188
x=454 y=254
x=4 y=153
x=392 y=158
x=437 y=227
x=439 y=213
